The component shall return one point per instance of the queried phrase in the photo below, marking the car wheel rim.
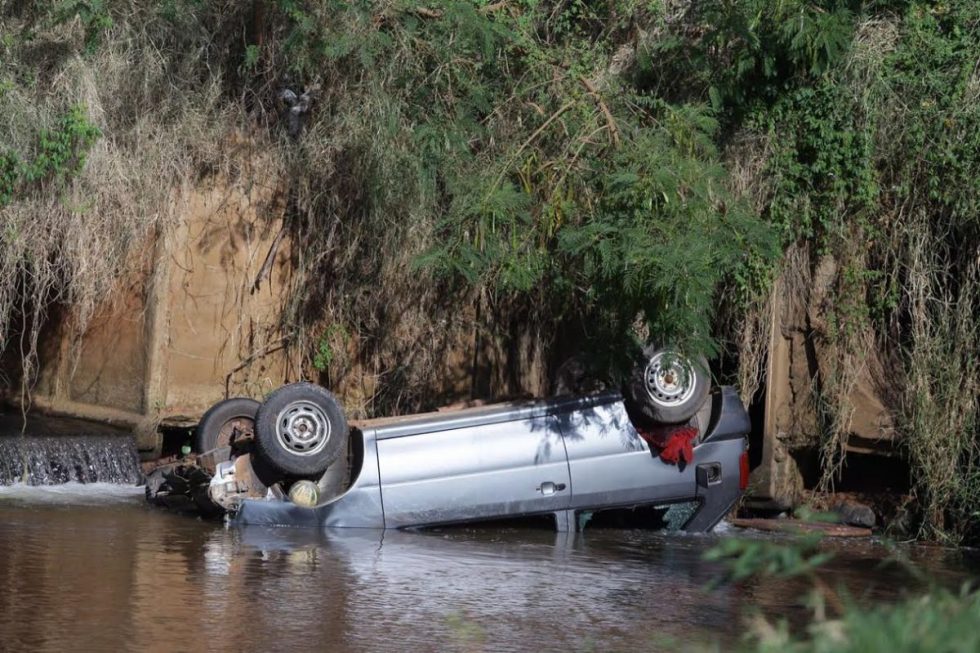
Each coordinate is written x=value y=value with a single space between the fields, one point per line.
x=669 y=379
x=303 y=428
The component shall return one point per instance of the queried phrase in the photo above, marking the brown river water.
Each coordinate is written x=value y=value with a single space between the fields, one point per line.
x=91 y=567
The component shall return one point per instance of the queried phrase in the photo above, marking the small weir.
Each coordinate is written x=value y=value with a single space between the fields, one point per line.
x=51 y=452
x=50 y=460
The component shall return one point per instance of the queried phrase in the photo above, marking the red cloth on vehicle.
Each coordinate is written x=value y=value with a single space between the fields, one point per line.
x=676 y=443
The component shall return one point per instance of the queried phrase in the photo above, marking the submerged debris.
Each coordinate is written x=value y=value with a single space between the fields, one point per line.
x=798 y=526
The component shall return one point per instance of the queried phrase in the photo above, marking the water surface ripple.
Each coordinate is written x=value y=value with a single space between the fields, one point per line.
x=90 y=567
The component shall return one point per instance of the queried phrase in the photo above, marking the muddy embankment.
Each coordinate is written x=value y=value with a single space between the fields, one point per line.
x=204 y=317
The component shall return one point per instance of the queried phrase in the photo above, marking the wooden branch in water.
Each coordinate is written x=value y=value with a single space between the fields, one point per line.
x=798 y=526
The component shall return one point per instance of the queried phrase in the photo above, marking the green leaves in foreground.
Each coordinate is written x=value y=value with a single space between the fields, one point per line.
x=939 y=621
x=747 y=558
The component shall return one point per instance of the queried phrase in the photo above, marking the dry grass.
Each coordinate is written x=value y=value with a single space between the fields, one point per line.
x=942 y=385
x=67 y=242
x=358 y=210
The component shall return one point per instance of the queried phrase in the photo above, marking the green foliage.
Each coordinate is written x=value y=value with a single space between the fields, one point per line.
x=749 y=558
x=823 y=163
x=751 y=52
x=59 y=155
x=93 y=14
x=9 y=173
x=933 y=73
x=938 y=622
x=663 y=235
x=252 y=54
x=61 y=152
x=635 y=228
x=334 y=337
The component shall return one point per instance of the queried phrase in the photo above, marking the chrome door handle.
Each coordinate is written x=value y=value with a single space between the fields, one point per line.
x=548 y=487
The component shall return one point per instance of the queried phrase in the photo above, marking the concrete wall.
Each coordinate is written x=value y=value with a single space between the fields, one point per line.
x=166 y=345
x=194 y=327
x=801 y=356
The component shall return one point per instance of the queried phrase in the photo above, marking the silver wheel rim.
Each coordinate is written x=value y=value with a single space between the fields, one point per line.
x=302 y=428
x=669 y=379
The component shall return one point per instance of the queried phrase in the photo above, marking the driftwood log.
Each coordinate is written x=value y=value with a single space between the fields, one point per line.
x=799 y=527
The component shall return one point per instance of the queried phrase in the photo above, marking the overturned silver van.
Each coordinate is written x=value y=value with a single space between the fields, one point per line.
x=564 y=458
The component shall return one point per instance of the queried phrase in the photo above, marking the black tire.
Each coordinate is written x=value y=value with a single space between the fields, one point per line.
x=667 y=387
x=300 y=430
x=215 y=427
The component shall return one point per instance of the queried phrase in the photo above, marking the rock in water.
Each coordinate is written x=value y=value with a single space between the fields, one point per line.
x=854 y=513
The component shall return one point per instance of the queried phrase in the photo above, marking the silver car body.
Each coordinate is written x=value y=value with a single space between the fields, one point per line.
x=560 y=457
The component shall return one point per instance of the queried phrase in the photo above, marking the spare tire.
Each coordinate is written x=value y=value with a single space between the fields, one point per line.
x=300 y=430
x=218 y=426
x=667 y=387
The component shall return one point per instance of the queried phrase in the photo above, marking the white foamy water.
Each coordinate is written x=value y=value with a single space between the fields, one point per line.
x=71 y=493
x=60 y=459
x=723 y=528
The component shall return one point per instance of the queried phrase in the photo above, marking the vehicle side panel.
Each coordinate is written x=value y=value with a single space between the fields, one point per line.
x=479 y=472
x=716 y=494
x=612 y=465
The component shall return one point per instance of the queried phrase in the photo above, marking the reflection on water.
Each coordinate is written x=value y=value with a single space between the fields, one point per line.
x=96 y=570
